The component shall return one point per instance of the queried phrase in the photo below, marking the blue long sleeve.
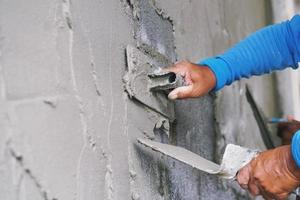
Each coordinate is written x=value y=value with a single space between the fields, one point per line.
x=295 y=147
x=272 y=48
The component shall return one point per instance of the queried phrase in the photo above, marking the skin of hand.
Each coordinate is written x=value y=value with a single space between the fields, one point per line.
x=272 y=174
x=286 y=130
x=199 y=80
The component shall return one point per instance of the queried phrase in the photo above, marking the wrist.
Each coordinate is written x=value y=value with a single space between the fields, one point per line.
x=291 y=164
x=220 y=70
x=210 y=77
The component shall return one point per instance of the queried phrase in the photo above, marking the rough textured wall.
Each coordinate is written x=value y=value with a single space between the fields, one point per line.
x=67 y=127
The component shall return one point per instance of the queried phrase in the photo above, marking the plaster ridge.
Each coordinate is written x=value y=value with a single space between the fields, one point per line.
x=210 y=35
x=67 y=12
x=38 y=99
x=2 y=82
x=56 y=22
x=109 y=181
x=20 y=160
x=109 y=172
x=66 y=6
x=19 y=184
x=86 y=137
x=131 y=169
x=129 y=3
x=91 y=59
x=78 y=169
x=229 y=34
x=68 y=16
x=90 y=139
x=93 y=67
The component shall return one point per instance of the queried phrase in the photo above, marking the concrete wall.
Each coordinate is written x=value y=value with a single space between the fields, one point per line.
x=67 y=127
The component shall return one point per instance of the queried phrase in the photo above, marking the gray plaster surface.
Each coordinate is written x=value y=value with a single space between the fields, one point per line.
x=68 y=128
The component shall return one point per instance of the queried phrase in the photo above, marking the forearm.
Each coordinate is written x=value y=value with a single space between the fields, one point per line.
x=271 y=48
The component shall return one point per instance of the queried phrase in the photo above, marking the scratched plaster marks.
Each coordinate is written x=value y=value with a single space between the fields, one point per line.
x=91 y=167
x=7 y=190
x=2 y=83
x=154 y=35
x=25 y=180
x=47 y=150
x=88 y=142
x=3 y=110
x=89 y=96
x=98 y=65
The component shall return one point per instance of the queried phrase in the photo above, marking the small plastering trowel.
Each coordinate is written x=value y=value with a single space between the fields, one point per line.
x=234 y=158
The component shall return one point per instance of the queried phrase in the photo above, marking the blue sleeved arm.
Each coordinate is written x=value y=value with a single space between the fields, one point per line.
x=296 y=148
x=272 y=48
x=275 y=47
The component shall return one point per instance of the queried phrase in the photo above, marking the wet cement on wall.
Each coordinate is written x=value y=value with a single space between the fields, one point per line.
x=69 y=129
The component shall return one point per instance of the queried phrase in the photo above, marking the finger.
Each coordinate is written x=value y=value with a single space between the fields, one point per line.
x=266 y=195
x=282 y=196
x=181 y=92
x=243 y=176
x=253 y=188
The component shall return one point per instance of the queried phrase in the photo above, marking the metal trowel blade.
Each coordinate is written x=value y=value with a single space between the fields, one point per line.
x=235 y=157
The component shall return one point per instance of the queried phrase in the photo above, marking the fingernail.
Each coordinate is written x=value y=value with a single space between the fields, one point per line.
x=172 y=96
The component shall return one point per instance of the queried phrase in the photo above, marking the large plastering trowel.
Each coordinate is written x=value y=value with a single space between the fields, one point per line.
x=234 y=158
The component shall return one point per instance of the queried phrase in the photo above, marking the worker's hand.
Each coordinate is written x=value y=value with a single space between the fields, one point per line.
x=272 y=174
x=286 y=130
x=199 y=79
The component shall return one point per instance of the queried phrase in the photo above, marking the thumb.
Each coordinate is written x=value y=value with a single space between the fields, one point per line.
x=181 y=92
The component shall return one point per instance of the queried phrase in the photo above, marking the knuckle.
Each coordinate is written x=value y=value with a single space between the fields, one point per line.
x=185 y=63
x=181 y=94
x=254 y=192
x=271 y=190
x=182 y=63
x=241 y=180
x=257 y=176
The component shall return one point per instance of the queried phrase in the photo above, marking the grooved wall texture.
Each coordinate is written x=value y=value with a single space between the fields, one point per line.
x=67 y=127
